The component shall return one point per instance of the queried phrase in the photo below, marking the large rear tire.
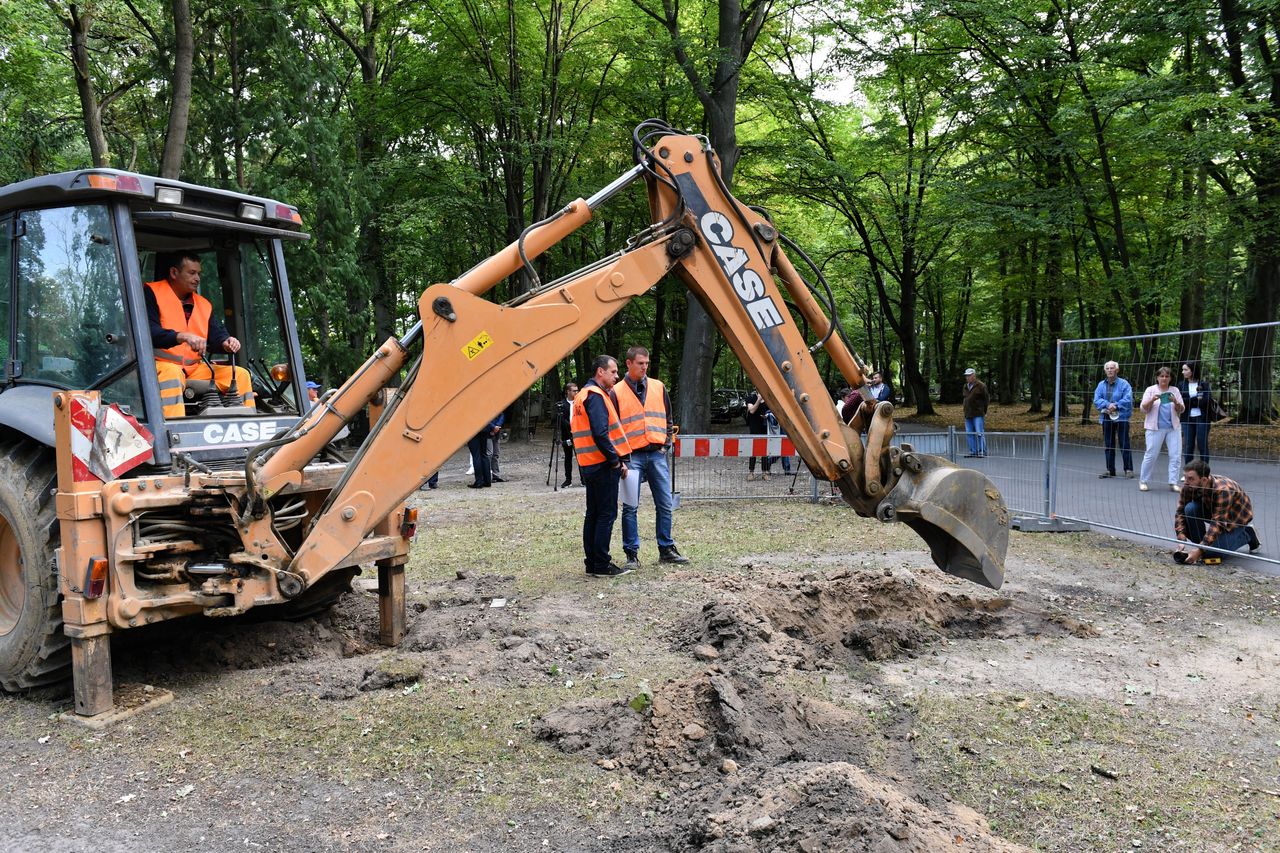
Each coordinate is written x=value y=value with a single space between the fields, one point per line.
x=33 y=650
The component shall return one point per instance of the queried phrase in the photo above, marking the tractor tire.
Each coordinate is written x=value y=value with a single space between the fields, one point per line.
x=34 y=653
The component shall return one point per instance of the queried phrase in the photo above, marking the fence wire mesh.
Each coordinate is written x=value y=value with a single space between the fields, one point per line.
x=1236 y=434
x=1017 y=462
x=717 y=477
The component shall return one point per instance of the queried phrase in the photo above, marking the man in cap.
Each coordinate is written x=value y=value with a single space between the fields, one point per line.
x=975 y=413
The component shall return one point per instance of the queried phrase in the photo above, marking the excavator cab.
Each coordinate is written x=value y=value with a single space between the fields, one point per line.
x=78 y=250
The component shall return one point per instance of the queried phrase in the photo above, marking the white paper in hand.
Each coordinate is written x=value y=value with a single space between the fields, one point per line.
x=629 y=489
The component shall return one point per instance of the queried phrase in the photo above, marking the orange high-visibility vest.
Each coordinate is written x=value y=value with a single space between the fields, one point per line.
x=642 y=423
x=173 y=316
x=584 y=446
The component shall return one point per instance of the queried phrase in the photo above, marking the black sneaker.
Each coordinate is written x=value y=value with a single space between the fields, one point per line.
x=613 y=570
x=633 y=561
x=671 y=555
x=498 y=479
x=566 y=484
x=1254 y=542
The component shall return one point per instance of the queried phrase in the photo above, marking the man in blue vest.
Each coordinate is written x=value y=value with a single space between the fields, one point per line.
x=645 y=410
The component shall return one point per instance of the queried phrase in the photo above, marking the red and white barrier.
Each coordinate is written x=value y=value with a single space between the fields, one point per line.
x=105 y=442
x=733 y=445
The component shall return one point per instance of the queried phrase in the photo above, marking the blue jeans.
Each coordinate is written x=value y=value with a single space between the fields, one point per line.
x=650 y=466
x=1195 y=433
x=1231 y=540
x=602 y=509
x=973 y=433
x=1112 y=430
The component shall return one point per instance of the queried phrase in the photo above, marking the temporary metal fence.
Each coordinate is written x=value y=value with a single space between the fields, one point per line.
x=729 y=467
x=1017 y=462
x=719 y=467
x=1240 y=366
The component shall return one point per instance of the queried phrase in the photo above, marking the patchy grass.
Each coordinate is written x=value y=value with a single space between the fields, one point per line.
x=1037 y=767
x=440 y=737
x=452 y=756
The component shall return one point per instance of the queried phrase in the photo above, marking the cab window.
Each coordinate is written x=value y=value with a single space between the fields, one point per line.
x=71 y=329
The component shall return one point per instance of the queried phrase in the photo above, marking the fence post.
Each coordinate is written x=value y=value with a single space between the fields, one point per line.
x=1057 y=419
x=671 y=464
x=951 y=445
x=1044 y=453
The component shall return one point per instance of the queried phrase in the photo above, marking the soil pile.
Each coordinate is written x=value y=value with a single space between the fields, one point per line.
x=752 y=764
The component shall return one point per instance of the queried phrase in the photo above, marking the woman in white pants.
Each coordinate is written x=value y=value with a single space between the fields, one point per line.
x=1162 y=403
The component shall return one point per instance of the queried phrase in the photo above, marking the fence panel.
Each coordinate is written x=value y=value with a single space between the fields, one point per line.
x=728 y=467
x=718 y=467
x=1238 y=363
x=1017 y=462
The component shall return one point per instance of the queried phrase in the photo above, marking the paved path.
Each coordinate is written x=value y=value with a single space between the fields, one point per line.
x=1016 y=465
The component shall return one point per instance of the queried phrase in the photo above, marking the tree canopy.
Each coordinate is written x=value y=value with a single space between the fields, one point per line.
x=976 y=179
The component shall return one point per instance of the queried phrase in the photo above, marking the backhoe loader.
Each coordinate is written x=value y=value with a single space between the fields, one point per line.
x=113 y=516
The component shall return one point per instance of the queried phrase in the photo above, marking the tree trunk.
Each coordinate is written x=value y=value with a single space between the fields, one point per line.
x=78 y=27
x=737 y=29
x=1191 y=306
x=175 y=140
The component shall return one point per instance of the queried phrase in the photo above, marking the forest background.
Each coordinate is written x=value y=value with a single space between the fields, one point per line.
x=976 y=178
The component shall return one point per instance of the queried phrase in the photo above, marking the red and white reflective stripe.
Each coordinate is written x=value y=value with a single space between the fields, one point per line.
x=105 y=442
x=84 y=415
x=734 y=445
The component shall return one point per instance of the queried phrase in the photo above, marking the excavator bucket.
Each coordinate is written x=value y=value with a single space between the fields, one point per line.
x=957 y=511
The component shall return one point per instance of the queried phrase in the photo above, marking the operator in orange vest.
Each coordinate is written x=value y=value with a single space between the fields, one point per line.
x=602 y=451
x=182 y=330
x=645 y=410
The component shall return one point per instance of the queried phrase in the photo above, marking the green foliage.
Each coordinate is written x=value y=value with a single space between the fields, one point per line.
x=974 y=178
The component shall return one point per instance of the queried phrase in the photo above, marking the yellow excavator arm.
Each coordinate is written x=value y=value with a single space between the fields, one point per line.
x=478 y=357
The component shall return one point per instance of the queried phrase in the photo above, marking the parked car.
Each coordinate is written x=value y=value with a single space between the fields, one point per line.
x=728 y=404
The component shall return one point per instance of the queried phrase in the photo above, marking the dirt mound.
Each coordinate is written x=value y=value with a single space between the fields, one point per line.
x=755 y=765
x=160 y=652
x=834 y=806
x=806 y=622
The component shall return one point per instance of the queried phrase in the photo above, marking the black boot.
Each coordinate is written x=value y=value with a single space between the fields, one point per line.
x=671 y=555
x=633 y=561
x=1254 y=542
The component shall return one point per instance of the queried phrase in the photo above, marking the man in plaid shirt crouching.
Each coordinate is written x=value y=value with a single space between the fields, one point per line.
x=1212 y=511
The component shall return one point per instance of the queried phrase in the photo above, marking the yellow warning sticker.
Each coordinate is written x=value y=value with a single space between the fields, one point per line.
x=478 y=344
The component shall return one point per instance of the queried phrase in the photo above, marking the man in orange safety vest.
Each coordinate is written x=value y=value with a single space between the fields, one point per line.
x=183 y=329
x=601 y=450
x=645 y=410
